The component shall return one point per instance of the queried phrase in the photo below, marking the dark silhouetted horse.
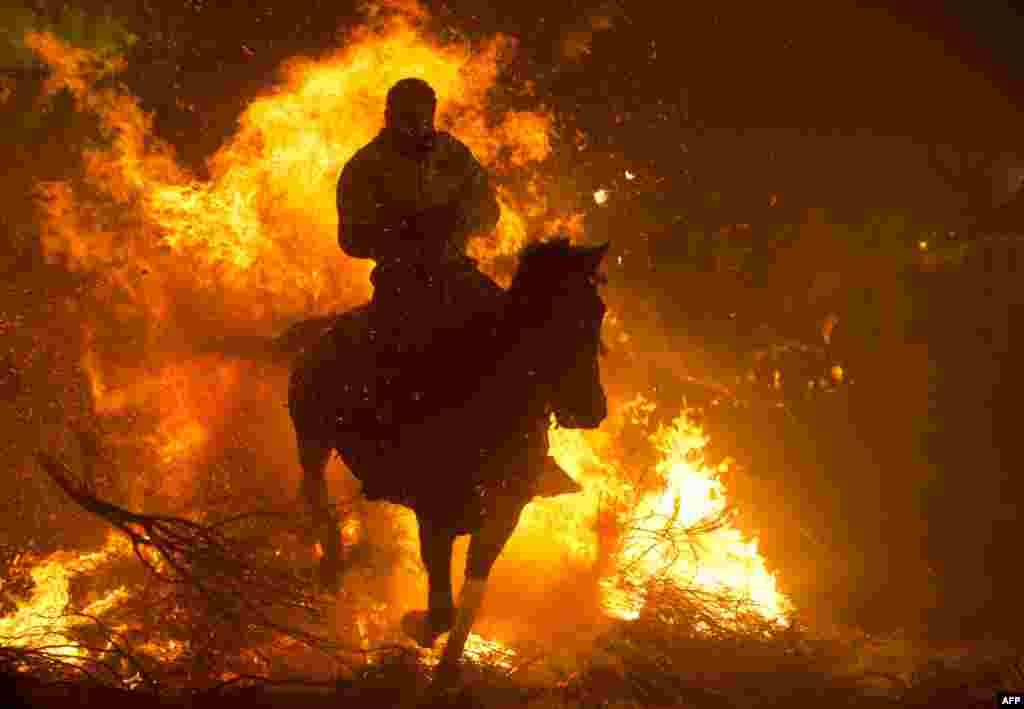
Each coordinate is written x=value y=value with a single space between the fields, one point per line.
x=458 y=431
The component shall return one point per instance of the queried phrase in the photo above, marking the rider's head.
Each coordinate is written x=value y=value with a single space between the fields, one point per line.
x=410 y=113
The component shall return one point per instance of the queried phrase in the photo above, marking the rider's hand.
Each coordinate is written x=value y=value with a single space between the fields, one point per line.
x=429 y=232
x=439 y=222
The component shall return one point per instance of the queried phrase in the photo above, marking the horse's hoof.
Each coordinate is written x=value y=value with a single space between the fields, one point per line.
x=417 y=625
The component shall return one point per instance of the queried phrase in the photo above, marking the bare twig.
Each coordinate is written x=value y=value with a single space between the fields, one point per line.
x=118 y=650
x=241 y=584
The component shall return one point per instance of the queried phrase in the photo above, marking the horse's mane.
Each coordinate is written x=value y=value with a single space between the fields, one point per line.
x=559 y=245
x=543 y=262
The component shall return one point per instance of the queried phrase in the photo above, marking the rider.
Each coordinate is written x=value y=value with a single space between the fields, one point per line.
x=410 y=200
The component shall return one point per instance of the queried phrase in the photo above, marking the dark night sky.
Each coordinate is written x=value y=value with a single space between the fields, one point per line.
x=785 y=60
x=829 y=104
x=984 y=35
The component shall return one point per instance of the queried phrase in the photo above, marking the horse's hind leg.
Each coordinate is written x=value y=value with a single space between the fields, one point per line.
x=313 y=455
x=436 y=541
x=484 y=548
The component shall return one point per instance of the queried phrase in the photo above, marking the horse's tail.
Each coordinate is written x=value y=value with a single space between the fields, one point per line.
x=281 y=350
x=302 y=336
x=309 y=378
x=312 y=353
x=254 y=348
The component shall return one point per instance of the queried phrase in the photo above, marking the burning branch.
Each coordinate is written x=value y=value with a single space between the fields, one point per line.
x=104 y=661
x=241 y=584
x=667 y=538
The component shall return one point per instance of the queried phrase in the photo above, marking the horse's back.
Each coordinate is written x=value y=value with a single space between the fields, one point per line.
x=329 y=344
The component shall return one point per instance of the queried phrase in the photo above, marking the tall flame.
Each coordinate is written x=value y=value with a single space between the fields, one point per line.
x=692 y=494
x=650 y=522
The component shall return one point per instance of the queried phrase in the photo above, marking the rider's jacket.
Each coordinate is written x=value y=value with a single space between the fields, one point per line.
x=381 y=185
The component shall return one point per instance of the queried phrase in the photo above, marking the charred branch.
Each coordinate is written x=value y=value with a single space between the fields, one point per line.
x=105 y=661
x=242 y=585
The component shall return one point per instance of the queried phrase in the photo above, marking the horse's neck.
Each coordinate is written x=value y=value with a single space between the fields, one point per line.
x=495 y=356
x=517 y=339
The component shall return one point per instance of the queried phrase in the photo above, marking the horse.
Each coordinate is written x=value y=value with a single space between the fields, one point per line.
x=457 y=431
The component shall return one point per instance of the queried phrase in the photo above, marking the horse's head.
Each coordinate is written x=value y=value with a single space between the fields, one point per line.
x=558 y=283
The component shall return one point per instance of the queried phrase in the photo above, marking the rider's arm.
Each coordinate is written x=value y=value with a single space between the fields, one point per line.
x=479 y=204
x=365 y=229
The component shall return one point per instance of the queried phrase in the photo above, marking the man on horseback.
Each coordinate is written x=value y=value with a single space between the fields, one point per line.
x=410 y=200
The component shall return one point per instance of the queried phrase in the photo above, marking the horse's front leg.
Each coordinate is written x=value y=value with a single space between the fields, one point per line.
x=484 y=548
x=436 y=542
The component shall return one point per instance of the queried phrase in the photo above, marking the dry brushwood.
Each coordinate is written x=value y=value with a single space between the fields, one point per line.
x=241 y=584
x=668 y=539
x=104 y=666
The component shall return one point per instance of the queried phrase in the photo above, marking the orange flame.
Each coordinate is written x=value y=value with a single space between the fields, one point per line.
x=726 y=561
x=691 y=493
x=42 y=621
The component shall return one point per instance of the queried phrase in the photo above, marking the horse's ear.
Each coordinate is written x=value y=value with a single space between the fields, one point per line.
x=592 y=257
